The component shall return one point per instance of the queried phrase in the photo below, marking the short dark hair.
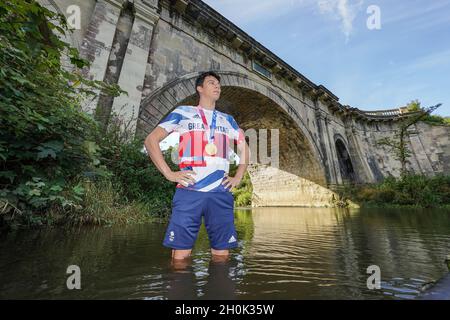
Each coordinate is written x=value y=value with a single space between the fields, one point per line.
x=201 y=79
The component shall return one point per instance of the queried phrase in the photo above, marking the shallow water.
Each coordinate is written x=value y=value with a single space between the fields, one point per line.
x=283 y=253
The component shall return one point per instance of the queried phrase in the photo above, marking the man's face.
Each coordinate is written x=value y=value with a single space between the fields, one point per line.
x=210 y=88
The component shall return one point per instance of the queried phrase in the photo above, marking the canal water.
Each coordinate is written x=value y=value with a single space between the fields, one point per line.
x=283 y=253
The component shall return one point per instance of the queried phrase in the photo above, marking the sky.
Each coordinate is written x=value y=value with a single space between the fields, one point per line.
x=329 y=42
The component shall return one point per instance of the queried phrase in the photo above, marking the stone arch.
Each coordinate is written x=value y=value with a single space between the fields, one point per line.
x=255 y=105
x=345 y=161
x=180 y=89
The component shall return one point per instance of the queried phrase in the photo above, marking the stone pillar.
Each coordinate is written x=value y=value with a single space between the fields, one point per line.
x=419 y=152
x=332 y=154
x=362 y=170
x=97 y=43
x=133 y=69
x=319 y=126
x=322 y=128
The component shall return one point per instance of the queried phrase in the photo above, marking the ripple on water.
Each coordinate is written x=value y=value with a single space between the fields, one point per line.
x=283 y=253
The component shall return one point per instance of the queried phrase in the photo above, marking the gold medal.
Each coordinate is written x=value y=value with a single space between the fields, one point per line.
x=211 y=149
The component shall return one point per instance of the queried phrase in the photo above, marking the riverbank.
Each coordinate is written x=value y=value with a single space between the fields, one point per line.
x=408 y=191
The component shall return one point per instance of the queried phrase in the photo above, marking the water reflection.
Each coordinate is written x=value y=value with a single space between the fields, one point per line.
x=218 y=285
x=324 y=253
x=283 y=253
x=181 y=280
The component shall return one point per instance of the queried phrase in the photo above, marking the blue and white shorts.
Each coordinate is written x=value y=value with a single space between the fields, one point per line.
x=188 y=207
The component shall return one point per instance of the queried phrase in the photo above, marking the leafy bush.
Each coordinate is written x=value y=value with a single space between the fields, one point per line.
x=243 y=192
x=132 y=168
x=46 y=140
x=409 y=190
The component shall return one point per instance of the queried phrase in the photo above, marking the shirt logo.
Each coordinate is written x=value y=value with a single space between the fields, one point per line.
x=196 y=116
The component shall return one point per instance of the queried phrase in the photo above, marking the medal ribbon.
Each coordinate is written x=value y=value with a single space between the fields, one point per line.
x=213 y=124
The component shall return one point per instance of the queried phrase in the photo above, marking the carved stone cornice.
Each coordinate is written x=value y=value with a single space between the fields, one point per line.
x=116 y=3
x=145 y=13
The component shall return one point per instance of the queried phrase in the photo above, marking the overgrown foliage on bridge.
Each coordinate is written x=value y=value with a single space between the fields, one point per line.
x=398 y=144
x=432 y=119
x=409 y=190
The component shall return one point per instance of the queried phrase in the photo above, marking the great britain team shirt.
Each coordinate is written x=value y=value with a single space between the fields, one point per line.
x=210 y=170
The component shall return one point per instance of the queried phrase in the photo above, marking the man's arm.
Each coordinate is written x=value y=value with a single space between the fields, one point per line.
x=244 y=156
x=151 y=144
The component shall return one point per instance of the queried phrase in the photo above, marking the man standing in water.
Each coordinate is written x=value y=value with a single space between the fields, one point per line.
x=204 y=187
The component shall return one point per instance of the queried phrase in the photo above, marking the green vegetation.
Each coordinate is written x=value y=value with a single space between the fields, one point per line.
x=55 y=164
x=430 y=119
x=398 y=144
x=243 y=192
x=407 y=191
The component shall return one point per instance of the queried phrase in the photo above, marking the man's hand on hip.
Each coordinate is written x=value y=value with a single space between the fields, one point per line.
x=231 y=182
x=183 y=177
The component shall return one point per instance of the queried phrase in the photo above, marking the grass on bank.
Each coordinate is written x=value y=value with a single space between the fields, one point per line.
x=410 y=190
x=103 y=204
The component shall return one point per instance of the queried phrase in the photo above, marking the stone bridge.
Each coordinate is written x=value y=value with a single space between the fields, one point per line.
x=155 y=49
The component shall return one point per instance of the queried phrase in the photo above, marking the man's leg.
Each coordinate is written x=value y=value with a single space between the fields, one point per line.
x=219 y=223
x=180 y=262
x=220 y=255
x=181 y=254
x=220 y=252
x=185 y=223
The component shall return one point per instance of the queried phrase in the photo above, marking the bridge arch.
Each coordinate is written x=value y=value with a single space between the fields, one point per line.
x=300 y=177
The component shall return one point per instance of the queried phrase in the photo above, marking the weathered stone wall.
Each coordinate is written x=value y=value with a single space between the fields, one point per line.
x=86 y=9
x=429 y=144
x=431 y=148
x=275 y=187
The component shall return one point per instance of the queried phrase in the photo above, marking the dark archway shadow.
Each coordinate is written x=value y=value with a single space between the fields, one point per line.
x=345 y=163
x=253 y=110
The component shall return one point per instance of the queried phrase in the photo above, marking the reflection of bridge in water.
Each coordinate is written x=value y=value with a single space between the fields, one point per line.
x=332 y=248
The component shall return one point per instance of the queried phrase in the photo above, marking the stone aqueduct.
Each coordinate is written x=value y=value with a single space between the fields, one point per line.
x=155 y=49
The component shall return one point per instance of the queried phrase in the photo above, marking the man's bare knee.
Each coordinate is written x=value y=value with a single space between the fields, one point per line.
x=181 y=254
x=220 y=252
x=219 y=256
